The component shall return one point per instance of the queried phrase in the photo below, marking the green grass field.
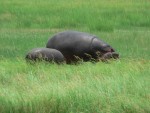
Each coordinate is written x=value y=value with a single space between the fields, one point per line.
x=121 y=86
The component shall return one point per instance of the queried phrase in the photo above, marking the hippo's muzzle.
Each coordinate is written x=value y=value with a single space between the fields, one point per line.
x=110 y=55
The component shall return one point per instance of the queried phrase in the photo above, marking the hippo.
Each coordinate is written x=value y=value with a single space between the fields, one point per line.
x=75 y=45
x=46 y=54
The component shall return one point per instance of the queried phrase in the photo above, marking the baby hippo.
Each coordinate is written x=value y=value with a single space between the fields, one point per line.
x=47 y=54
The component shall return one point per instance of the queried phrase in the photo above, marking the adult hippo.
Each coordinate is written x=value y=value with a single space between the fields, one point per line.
x=76 y=45
x=51 y=55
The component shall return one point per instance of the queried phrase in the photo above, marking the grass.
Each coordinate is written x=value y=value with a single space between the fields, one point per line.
x=121 y=86
x=129 y=43
x=67 y=88
x=92 y=15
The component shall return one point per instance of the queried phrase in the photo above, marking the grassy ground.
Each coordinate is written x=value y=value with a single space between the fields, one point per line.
x=104 y=15
x=121 y=86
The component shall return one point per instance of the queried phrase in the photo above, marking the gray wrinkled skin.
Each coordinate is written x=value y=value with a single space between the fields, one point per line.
x=46 y=54
x=76 y=45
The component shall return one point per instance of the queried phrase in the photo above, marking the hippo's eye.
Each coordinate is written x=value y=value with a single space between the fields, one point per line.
x=112 y=50
x=108 y=48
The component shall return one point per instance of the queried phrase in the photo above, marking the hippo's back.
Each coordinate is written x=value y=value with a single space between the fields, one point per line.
x=71 y=42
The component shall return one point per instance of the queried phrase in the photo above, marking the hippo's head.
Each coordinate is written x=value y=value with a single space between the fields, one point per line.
x=102 y=47
x=105 y=50
x=34 y=56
